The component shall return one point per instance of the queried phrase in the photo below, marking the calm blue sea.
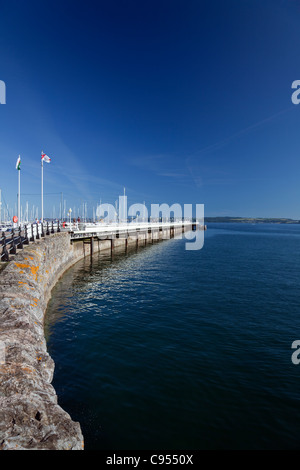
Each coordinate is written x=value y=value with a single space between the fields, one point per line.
x=165 y=348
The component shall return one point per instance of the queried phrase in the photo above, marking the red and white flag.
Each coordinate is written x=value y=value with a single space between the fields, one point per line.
x=45 y=158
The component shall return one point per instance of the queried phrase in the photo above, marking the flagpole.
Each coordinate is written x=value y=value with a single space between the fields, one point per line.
x=124 y=208
x=19 y=195
x=42 y=219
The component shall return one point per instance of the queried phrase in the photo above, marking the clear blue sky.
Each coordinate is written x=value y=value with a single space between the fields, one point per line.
x=185 y=101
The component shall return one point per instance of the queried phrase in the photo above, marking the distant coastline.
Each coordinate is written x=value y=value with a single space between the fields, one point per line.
x=249 y=220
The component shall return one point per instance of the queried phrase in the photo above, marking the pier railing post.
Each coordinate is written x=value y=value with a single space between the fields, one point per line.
x=20 y=241
x=26 y=239
x=13 y=249
x=4 y=254
x=32 y=235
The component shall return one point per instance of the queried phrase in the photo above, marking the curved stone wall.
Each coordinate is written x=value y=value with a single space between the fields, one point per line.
x=30 y=417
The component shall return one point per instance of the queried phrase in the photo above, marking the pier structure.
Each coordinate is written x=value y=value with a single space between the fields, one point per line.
x=110 y=236
x=93 y=236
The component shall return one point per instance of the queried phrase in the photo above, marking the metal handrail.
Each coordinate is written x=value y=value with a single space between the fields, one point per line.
x=16 y=238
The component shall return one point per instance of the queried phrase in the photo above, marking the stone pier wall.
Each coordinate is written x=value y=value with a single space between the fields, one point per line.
x=30 y=417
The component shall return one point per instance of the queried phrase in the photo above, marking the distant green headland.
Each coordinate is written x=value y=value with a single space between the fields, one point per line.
x=249 y=220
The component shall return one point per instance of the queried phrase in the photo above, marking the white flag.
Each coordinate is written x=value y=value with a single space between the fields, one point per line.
x=45 y=158
x=18 y=164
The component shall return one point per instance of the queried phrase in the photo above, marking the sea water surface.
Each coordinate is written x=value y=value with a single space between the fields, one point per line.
x=164 y=348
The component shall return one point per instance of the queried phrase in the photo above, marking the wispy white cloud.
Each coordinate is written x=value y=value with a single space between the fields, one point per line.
x=163 y=165
x=196 y=162
x=246 y=130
